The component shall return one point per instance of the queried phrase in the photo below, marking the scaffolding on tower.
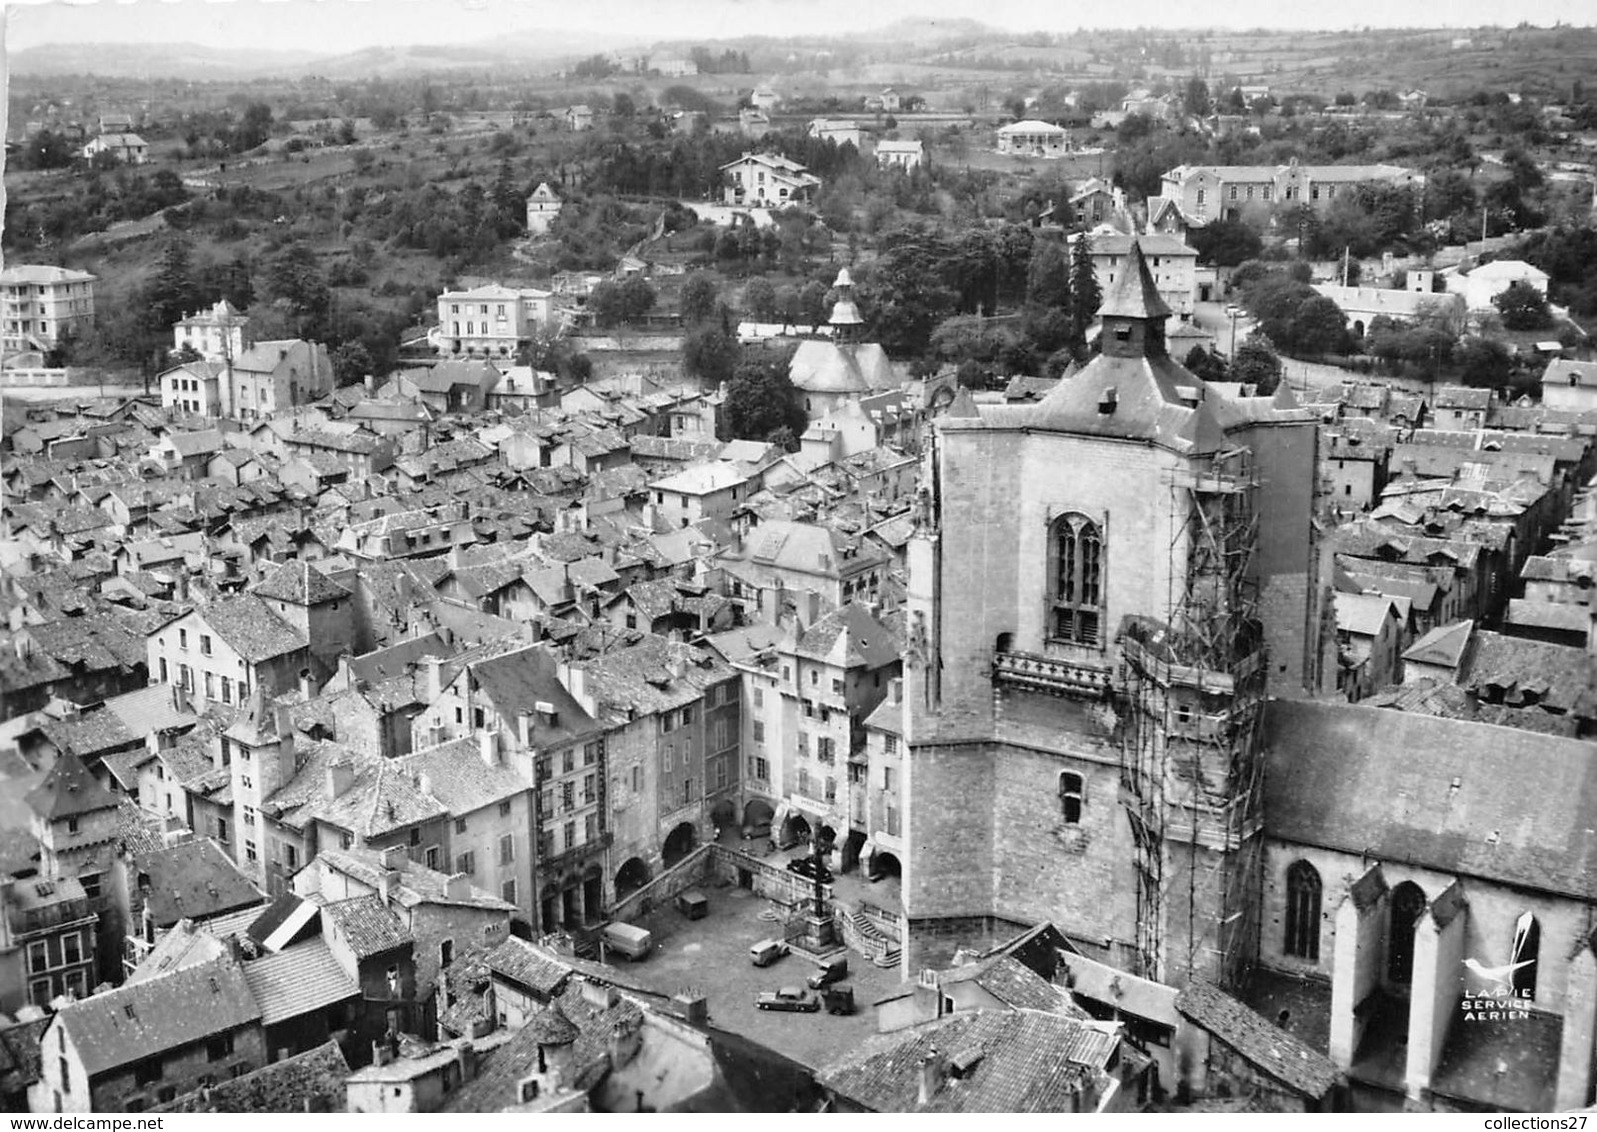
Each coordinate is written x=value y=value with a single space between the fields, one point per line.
x=1190 y=694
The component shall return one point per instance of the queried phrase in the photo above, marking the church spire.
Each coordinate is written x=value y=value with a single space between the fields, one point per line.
x=1133 y=314
x=845 y=321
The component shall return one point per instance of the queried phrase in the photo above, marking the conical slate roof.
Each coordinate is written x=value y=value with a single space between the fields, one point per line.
x=553 y=1028
x=1134 y=294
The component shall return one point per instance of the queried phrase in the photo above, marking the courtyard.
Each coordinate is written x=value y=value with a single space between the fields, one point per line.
x=711 y=956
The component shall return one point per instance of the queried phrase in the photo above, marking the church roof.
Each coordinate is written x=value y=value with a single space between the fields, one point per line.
x=828 y=367
x=1471 y=799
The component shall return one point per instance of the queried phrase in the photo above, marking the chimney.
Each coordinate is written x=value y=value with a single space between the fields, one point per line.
x=286 y=761
x=931 y=1075
x=382 y=1054
x=424 y=783
x=467 y=1054
x=896 y=687
x=371 y=385
x=340 y=776
x=435 y=676
x=458 y=887
x=306 y=687
x=488 y=746
x=626 y=1038
x=393 y=857
x=602 y=996
x=387 y=884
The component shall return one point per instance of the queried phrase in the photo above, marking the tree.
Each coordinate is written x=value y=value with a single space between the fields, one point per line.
x=1482 y=362
x=1206 y=364
x=710 y=353
x=614 y=303
x=1226 y=243
x=254 y=128
x=637 y=296
x=907 y=293
x=759 y=299
x=1320 y=327
x=1086 y=296
x=699 y=298
x=295 y=279
x=1257 y=365
x=352 y=362
x=761 y=400
x=171 y=294
x=1048 y=276
x=1197 y=100
x=812 y=303
x=1522 y=306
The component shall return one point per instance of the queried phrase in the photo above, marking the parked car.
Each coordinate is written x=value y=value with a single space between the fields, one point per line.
x=767 y=951
x=838 y=1000
x=806 y=868
x=833 y=971
x=755 y=830
x=789 y=998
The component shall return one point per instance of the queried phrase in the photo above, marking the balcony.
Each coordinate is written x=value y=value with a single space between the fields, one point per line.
x=571 y=856
x=1052 y=675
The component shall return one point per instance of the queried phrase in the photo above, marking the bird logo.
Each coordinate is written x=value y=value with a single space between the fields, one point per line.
x=1504 y=980
x=1498 y=976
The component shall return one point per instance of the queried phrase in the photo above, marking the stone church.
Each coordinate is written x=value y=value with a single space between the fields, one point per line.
x=1118 y=629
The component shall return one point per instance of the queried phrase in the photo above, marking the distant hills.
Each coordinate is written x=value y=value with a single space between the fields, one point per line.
x=203 y=63
x=526 y=46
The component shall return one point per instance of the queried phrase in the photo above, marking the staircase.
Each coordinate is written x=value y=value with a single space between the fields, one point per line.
x=869 y=940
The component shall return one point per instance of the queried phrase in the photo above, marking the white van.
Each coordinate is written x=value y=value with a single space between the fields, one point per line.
x=633 y=942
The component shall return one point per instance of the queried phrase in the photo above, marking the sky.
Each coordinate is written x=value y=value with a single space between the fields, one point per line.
x=335 y=26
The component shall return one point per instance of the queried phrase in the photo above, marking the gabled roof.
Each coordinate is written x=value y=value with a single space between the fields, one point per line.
x=294 y=982
x=308 y=1082
x=367 y=925
x=852 y=637
x=194 y=880
x=1362 y=614
x=1023 y=1061
x=1261 y=1043
x=459 y=778
x=117 y=1027
x=250 y=627
x=529 y=966
x=417 y=883
x=1445 y=645
x=299 y=582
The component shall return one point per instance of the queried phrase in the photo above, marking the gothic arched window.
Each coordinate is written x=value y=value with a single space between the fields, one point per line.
x=1408 y=904
x=1302 y=911
x=1077 y=582
x=1523 y=955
